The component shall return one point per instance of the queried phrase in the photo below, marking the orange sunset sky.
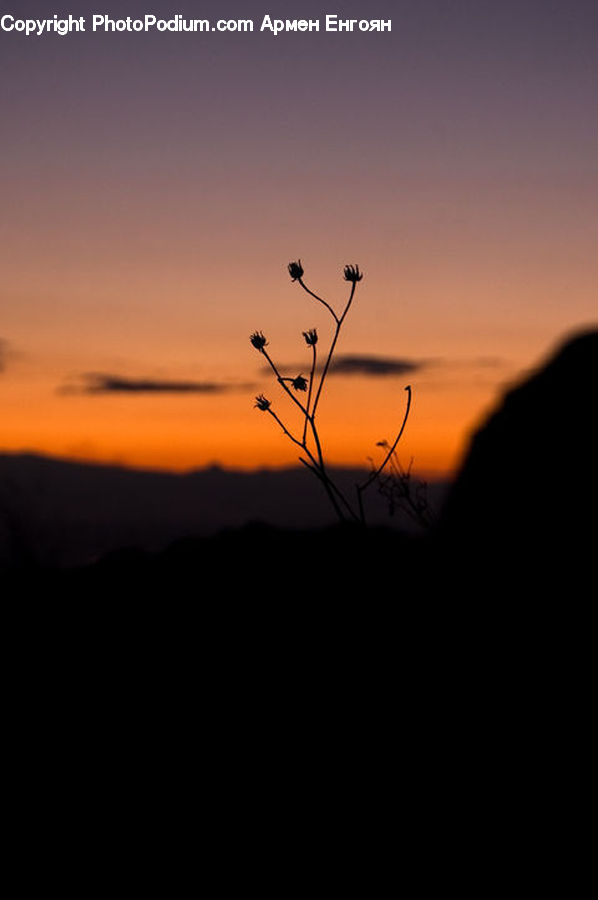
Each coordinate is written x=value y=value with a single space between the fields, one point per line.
x=155 y=186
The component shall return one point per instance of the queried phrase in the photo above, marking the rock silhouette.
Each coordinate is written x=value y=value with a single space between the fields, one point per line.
x=527 y=486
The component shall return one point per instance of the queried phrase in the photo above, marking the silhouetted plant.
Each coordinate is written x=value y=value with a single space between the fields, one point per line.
x=403 y=492
x=312 y=455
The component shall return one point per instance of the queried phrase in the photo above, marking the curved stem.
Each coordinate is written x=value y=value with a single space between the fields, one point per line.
x=339 y=322
x=287 y=432
x=311 y=381
x=319 y=299
x=349 y=301
x=376 y=473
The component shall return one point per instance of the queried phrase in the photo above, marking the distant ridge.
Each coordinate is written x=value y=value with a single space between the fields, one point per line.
x=65 y=512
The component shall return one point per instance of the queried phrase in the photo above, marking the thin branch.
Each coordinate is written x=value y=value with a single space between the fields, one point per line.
x=322 y=467
x=327 y=481
x=380 y=468
x=319 y=299
x=360 y=488
x=286 y=431
x=317 y=468
x=339 y=322
x=313 y=469
x=281 y=381
x=310 y=417
x=349 y=302
x=311 y=381
x=329 y=486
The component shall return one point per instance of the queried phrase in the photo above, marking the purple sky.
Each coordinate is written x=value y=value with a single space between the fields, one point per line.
x=154 y=186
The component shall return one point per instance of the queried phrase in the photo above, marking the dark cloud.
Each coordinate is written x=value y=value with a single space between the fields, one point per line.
x=360 y=364
x=374 y=366
x=102 y=383
x=3 y=354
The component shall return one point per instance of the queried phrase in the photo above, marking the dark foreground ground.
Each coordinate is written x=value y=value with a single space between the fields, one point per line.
x=266 y=697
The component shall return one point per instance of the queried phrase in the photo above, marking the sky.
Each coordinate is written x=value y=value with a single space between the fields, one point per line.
x=154 y=187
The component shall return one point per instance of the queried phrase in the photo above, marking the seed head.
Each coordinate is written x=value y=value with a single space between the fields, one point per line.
x=311 y=337
x=295 y=270
x=353 y=274
x=262 y=403
x=258 y=340
x=300 y=383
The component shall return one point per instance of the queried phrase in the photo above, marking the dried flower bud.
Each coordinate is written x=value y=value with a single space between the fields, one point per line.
x=300 y=383
x=262 y=403
x=295 y=270
x=258 y=340
x=353 y=274
x=311 y=337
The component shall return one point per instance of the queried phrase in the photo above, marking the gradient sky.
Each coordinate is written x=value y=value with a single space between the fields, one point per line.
x=154 y=187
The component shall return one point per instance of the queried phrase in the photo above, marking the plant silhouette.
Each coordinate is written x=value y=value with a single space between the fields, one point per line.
x=403 y=492
x=309 y=443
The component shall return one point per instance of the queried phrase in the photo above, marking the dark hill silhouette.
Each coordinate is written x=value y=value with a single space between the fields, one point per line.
x=527 y=489
x=61 y=512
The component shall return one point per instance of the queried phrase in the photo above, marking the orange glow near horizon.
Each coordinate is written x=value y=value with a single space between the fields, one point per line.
x=464 y=355
x=462 y=363
x=179 y=433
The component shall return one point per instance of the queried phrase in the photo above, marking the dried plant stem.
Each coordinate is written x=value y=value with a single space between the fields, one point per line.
x=281 y=381
x=290 y=436
x=310 y=443
x=311 y=382
x=331 y=488
x=339 y=323
x=325 y=474
x=360 y=488
x=397 y=488
x=319 y=299
x=377 y=472
x=316 y=466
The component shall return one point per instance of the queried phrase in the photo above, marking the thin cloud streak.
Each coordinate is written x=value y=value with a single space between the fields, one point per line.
x=362 y=364
x=103 y=383
x=374 y=366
